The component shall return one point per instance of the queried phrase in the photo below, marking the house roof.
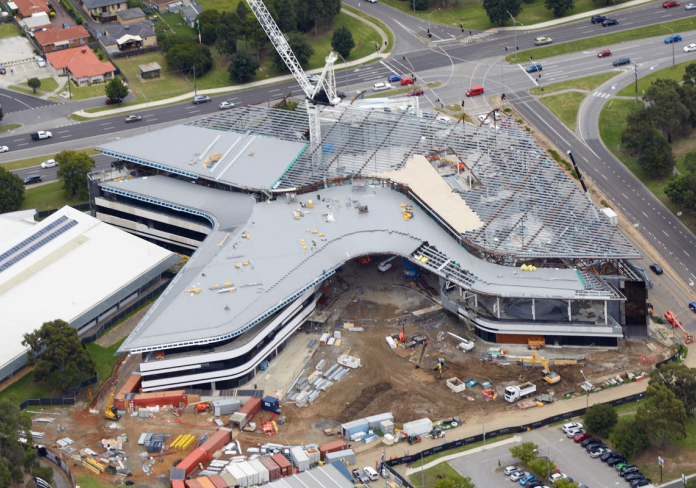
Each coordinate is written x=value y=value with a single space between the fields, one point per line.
x=29 y=7
x=53 y=36
x=91 y=4
x=190 y=12
x=80 y=61
x=165 y=2
x=145 y=68
x=131 y=13
x=115 y=32
x=37 y=20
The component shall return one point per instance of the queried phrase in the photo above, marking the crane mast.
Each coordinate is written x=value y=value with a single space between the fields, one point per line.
x=318 y=96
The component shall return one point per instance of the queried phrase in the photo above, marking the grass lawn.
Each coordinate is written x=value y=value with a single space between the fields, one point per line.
x=47 y=197
x=612 y=121
x=87 y=481
x=170 y=84
x=35 y=161
x=7 y=127
x=565 y=106
x=177 y=24
x=598 y=41
x=431 y=476
x=589 y=83
x=676 y=74
x=364 y=36
x=377 y=22
x=85 y=92
x=26 y=91
x=105 y=360
x=47 y=85
x=429 y=459
x=8 y=29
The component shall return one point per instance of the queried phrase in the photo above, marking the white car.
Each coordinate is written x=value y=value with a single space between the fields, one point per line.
x=41 y=62
x=313 y=78
x=484 y=119
x=51 y=163
x=571 y=425
x=690 y=6
x=381 y=86
x=4 y=149
x=598 y=452
x=225 y=104
x=371 y=1
x=573 y=432
x=511 y=469
x=689 y=48
x=518 y=475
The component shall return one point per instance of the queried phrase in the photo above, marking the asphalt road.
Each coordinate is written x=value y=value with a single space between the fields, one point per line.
x=49 y=174
x=13 y=101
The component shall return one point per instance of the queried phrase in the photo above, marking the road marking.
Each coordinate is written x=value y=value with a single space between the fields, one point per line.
x=603 y=176
x=624 y=195
x=530 y=77
x=25 y=144
x=389 y=68
x=665 y=233
x=152 y=120
x=194 y=111
x=107 y=123
x=644 y=213
x=61 y=132
x=686 y=253
x=17 y=140
x=64 y=137
x=275 y=89
x=587 y=31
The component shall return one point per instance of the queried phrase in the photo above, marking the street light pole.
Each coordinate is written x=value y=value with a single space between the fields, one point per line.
x=345 y=70
x=635 y=69
x=431 y=13
x=483 y=421
x=514 y=28
x=672 y=43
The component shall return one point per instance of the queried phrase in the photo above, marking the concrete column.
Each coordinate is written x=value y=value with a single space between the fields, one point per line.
x=570 y=315
x=606 y=319
x=498 y=308
x=476 y=303
x=533 y=309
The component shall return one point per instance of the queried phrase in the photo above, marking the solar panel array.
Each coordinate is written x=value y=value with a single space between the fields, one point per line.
x=32 y=238
x=38 y=244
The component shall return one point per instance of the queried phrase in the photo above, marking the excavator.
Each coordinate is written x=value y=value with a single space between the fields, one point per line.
x=439 y=367
x=549 y=376
x=110 y=413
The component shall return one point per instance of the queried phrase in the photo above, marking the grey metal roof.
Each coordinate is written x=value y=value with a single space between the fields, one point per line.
x=131 y=13
x=91 y=4
x=328 y=476
x=190 y=12
x=531 y=209
x=285 y=256
x=113 y=32
x=243 y=160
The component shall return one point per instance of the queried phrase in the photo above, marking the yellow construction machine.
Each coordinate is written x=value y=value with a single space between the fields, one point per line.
x=110 y=411
x=548 y=375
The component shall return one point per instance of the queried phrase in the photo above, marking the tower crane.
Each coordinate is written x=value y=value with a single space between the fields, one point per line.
x=322 y=94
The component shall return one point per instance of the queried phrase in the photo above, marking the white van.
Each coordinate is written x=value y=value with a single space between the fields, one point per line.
x=386 y=265
x=381 y=86
x=371 y=473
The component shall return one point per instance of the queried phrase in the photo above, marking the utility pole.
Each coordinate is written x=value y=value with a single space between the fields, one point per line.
x=635 y=70
x=514 y=28
x=194 y=81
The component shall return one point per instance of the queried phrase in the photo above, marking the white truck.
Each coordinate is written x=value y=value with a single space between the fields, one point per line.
x=42 y=134
x=515 y=392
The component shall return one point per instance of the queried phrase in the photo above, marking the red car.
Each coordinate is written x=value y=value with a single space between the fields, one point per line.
x=415 y=93
x=604 y=54
x=670 y=3
x=582 y=437
x=112 y=102
x=406 y=81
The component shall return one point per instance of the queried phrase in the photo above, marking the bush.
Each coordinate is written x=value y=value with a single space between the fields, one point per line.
x=601 y=419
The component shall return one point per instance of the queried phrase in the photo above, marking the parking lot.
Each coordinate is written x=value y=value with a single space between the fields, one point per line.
x=570 y=458
x=15 y=48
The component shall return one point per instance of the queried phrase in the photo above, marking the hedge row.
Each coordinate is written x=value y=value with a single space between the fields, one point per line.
x=71 y=11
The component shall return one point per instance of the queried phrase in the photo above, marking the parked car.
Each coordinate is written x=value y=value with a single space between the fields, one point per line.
x=114 y=101
x=598 y=19
x=527 y=479
x=605 y=455
x=484 y=119
x=224 y=105
x=670 y=4
x=571 y=425
x=49 y=163
x=641 y=482
x=540 y=41
x=616 y=460
x=200 y=99
x=534 y=67
x=621 y=61
x=381 y=86
x=394 y=78
x=604 y=54
x=673 y=38
x=407 y=81
x=3 y=70
x=4 y=149
x=628 y=470
x=360 y=475
x=621 y=466
x=588 y=441
x=518 y=475
x=511 y=469
x=634 y=476
x=557 y=476
x=534 y=484
x=655 y=268
x=573 y=432
x=133 y=118
x=690 y=6
x=608 y=22
x=41 y=62
x=415 y=93
x=32 y=179
x=66 y=25
x=581 y=437
x=598 y=452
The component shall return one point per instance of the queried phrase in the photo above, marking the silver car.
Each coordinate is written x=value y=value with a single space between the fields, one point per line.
x=511 y=469
x=518 y=475
x=4 y=149
x=226 y=104
x=690 y=6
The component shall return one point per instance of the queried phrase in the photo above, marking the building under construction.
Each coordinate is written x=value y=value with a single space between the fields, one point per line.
x=519 y=248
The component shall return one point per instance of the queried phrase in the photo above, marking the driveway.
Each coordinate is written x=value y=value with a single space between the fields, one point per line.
x=61 y=15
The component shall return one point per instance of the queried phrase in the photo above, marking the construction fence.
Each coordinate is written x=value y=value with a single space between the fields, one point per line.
x=70 y=399
x=43 y=451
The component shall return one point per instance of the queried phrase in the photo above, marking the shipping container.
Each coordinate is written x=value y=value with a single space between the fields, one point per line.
x=218 y=481
x=178 y=484
x=272 y=467
x=238 y=474
x=247 y=412
x=229 y=479
x=417 y=427
x=205 y=482
x=226 y=406
x=313 y=455
x=132 y=384
x=386 y=427
x=347 y=455
x=334 y=446
x=262 y=470
x=351 y=428
x=193 y=484
x=217 y=441
x=250 y=472
x=375 y=420
x=190 y=462
x=300 y=459
x=283 y=464
x=271 y=404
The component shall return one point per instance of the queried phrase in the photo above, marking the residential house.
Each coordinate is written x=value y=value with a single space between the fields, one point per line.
x=164 y=6
x=27 y=8
x=130 y=15
x=81 y=65
x=190 y=14
x=119 y=38
x=104 y=10
x=36 y=22
x=57 y=39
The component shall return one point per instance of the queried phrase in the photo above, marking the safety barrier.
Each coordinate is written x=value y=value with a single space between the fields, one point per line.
x=59 y=401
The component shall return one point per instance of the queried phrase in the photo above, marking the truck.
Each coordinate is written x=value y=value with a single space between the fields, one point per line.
x=515 y=392
x=42 y=134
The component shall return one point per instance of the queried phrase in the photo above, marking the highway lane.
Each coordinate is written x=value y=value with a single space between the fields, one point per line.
x=49 y=174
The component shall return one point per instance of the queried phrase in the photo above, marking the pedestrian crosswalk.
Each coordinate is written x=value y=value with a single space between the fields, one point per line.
x=601 y=95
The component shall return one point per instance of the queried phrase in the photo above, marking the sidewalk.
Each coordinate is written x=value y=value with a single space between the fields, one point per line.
x=573 y=18
x=231 y=89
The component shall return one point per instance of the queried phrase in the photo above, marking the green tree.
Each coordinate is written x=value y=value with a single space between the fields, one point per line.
x=300 y=46
x=208 y=22
x=690 y=75
x=255 y=35
x=419 y=4
x=601 y=418
x=287 y=16
x=34 y=83
x=242 y=68
x=455 y=482
x=116 y=90
x=629 y=438
x=662 y=414
x=656 y=158
x=497 y=10
x=228 y=32
x=525 y=452
x=190 y=56
x=328 y=11
x=59 y=354
x=682 y=191
x=342 y=41
x=667 y=112
x=30 y=461
x=44 y=472
x=560 y=7
x=541 y=467
x=12 y=420
x=73 y=167
x=242 y=10
x=11 y=191
x=134 y=3
x=564 y=483
x=678 y=377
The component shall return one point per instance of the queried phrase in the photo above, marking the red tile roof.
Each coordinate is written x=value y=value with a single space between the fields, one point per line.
x=51 y=36
x=29 y=7
x=80 y=61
